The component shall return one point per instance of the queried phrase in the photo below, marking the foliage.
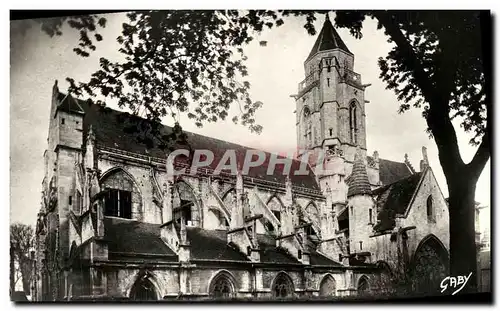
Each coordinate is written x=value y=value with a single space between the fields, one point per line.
x=21 y=241
x=176 y=62
x=193 y=62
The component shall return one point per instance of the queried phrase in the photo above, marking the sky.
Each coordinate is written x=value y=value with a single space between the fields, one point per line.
x=274 y=73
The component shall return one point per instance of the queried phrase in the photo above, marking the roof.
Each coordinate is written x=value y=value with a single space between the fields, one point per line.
x=212 y=245
x=134 y=238
x=392 y=171
x=269 y=253
x=69 y=104
x=317 y=259
x=394 y=199
x=130 y=238
x=358 y=180
x=328 y=39
x=113 y=129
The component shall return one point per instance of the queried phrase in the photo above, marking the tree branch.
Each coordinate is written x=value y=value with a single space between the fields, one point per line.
x=438 y=120
x=476 y=165
x=482 y=155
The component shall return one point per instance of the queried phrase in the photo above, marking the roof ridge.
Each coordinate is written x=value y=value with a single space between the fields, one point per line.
x=204 y=136
x=336 y=40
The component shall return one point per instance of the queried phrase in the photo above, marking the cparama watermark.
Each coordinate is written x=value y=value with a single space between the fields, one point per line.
x=230 y=163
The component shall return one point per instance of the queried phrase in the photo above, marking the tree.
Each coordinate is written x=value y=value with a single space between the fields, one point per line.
x=433 y=68
x=21 y=242
x=440 y=62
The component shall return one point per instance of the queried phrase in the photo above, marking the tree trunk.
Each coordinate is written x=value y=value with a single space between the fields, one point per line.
x=12 y=271
x=463 y=253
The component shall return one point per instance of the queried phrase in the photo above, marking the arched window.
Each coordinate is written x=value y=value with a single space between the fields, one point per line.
x=430 y=265
x=222 y=286
x=185 y=207
x=282 y=286
x=143 y=290
x=430 y=209
x=307 y=124
x=275 y=205
x=328 y=287
x=79 y=202
x=312 y=213
x=363 y=286
x=123 y=198
x=307 y=112
x=353 y=122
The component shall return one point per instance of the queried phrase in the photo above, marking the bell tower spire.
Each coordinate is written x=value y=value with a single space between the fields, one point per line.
x=330 y=113
x=330 y=103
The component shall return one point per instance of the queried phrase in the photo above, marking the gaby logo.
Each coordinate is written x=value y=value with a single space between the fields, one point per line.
x=454 y=282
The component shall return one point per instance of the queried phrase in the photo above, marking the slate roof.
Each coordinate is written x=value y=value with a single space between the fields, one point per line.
x=392 y=171
x=69 y=104
x=316 y=259
x=111 y=130
x=393 y=199
x=328 y=39
x=135 y=237
x=212 y=245
x=269 y=253
x=358 y=180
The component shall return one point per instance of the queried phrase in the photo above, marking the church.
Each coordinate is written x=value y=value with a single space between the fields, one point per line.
x=115 y=224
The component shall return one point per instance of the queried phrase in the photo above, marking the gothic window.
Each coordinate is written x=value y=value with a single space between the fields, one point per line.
x=309 y=131
x=353 y=122
x=185 y=208
x=269 y=226
x=328 y=79
x=118 y=203
x=312 y=214
x=310 y=231
x=143 y=290
x=370 y=216
x=183 y=212
x=222 y=286
x=307 y=112
x=328 y=287
x=429 y=266
x=123 y=198
x=363 y=286
x=430 y=209
x=277 y=214
x=283 y=286
x=329 y=65
x=78 y=202
x=331 y=132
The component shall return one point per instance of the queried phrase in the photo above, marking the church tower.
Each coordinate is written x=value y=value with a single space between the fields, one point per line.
x=330 y=101
x=330 y=116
